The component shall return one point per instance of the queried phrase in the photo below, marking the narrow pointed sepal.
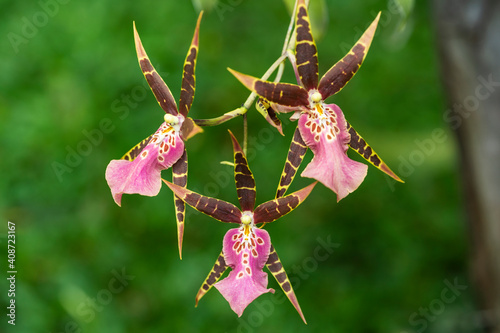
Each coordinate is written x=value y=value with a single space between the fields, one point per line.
x=136 y=150
x=358 y=144
x=188 y=75
x=245 y=183
x=340 y=73
x=281 y=93
x=275 y=266
x=295 y=156
x=274 y=209
x=218 y=209
x=156 y=83
x=179 y=177
x=265 y=109
x=219 y=268
x=305 y=47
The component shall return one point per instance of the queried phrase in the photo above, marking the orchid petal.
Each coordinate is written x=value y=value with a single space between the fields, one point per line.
x=188 y=75
x=282 y=93
x=340 y=73
x=179 y=177
x=276 y=268
x=245 y=183
x=246 y=251
x=158 y=86
x=359 y=145
x=265 y=109
x=136 y=150
x=305 y=48
x=143 y=174
x=328 y=137
x=218 y=209
x=219 y=268
x=189 y=129
x=274 y=209
x=295 y=156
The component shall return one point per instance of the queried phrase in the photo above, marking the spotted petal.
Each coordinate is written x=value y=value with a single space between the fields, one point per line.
x=216 y=272
x=246 y=251
x=295 y=156
x=281 y=93
x=188 y=75
x=158 y=86
x=218 y=209
x=306 y=53
x=274 y=209
x=143 y=174
x=265 y=109
x=179 y=177
x=245 y=183
x=327 y=137
x=359 y=144
x=276 y=268
x=340 y=73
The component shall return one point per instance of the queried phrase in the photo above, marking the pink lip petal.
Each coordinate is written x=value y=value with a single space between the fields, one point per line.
x=143 y=174
x=246 y=281
x=330 y=164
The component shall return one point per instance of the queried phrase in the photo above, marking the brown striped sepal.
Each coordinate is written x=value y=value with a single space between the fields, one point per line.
x=340 y=73
x=281 y=93
x=358 y=144
x=243 y=177
x=156 y=83
x=305 y=48
x=274 y=209
x=136 y=150
x=179 y=177
x=265 y=109
x=218 y=209
x=219 y=268
x=295 y=156
x=274 y=265
x=188 y=75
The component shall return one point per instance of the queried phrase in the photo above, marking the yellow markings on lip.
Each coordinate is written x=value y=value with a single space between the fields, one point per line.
x=319 y=108
x=246 y=229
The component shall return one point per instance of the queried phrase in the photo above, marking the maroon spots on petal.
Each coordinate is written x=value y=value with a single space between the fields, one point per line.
x=144 y=154
x=160 y=158
x=260 y=241
x=313 y=128
x=240 y=275
x=248 y=270
x=308 y=124
x=253 y=242
x=337 y=130
x=329 y=137
x=235 y=237
x=316 y=138
x=254 y=253
x=245 y=262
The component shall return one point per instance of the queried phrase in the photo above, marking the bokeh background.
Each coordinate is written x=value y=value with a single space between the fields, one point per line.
x=72 y=98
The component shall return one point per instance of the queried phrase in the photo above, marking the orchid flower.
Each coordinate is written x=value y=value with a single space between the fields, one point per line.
x=246 y=249
x=139 y=170
x=321 y=127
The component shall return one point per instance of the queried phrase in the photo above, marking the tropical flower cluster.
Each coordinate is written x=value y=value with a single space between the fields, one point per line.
x=321 y=127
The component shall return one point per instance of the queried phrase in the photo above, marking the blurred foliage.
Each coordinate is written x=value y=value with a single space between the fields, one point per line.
x=72 y=95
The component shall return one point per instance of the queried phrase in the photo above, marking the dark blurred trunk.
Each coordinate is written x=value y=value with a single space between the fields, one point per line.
x=468 y=38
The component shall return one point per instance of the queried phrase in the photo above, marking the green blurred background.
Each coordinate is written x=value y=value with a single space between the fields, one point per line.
x=70 y=72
